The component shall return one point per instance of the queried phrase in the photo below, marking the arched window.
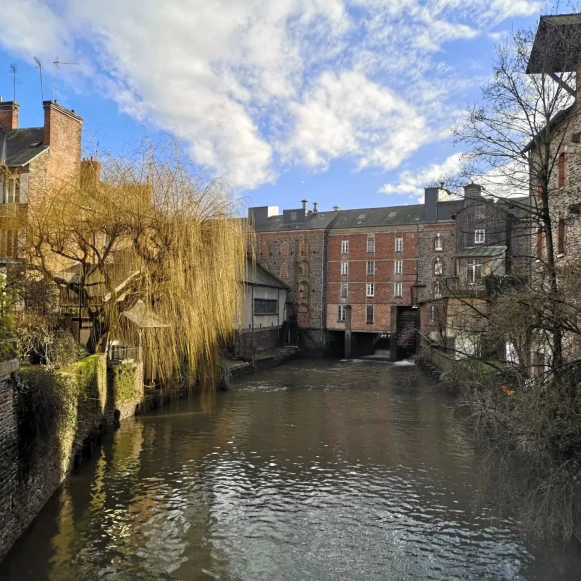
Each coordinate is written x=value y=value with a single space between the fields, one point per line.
x=303 y=291
x=303 y=316
x=304 y=248
x=283 y=273
x=438 y=267
x=284 y=250
x=304 y=270
x=264 y=250
x=437 y=291
x=438 y=243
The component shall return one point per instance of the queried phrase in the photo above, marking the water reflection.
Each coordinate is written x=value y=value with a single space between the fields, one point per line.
x=317 y=470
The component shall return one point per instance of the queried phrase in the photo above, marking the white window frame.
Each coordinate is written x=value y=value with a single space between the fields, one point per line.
x=431 y=313
x=397 y=289
x=344 y=287
x=344 y=246
x=473 y=267
x=11 y=190
x=438 y=267
x=437 y=291
x=438 y=243
x=398 y=266
x=344 y=268
x=367 y=319
x=371 y=244
x=399 y=244
x=479 y=236
x=341 y=313
x=370 y=289
x=370 y=266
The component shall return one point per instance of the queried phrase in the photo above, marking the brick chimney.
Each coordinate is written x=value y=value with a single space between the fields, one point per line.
x=9 y=115
x=472 y=191
x=58 y=121
x=90 y=173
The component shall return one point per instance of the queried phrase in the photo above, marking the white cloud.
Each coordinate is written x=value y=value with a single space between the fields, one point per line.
x=412 y=184
x=251 y=84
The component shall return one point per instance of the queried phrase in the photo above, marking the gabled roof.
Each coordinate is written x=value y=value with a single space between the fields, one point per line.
x=557 y=46
x=373 y=217
x=21 y=146
x=258 y=276
x=318 y=221
x=482 y=252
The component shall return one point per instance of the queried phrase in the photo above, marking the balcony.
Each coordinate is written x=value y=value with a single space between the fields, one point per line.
x=458 y=287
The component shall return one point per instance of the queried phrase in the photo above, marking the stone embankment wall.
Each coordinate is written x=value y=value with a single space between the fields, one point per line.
x=47 y=421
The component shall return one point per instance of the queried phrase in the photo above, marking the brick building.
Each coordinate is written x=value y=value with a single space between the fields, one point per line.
x=34 y=160
x=293 y=247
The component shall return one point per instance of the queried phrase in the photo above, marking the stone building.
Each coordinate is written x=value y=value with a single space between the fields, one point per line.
x=293 y=247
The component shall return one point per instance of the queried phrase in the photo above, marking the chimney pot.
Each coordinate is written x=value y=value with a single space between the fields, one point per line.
x=304 y=203
x=315 y=204
x=336 y=208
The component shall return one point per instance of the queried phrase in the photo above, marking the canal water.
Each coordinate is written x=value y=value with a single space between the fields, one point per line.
x=317 y=470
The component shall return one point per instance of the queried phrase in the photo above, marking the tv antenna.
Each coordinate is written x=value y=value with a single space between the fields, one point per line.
x=14 y=73
x=55 y=66
x=39 y=66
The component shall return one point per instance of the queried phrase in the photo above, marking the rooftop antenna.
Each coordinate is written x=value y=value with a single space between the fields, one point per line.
x=55 y=66
x=13 y=72
x=39 y=66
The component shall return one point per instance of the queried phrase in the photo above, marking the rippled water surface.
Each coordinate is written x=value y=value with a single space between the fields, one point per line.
x=316 y=470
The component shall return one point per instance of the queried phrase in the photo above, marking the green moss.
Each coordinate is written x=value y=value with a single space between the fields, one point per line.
x=122 y=382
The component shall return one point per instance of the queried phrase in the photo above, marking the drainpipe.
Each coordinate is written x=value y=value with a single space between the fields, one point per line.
x=323 y=291
x=252 y=333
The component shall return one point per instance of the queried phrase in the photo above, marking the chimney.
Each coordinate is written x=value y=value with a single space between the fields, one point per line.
x=472 y=191
x=315 y=207
x=90 y=173
x=304 y=203
x=431 y=197
x=336 y=208
x=9 y=115
x=59 y=121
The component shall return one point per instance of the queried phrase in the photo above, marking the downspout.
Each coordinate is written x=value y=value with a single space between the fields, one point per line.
x=323 y=291
x=252 y=333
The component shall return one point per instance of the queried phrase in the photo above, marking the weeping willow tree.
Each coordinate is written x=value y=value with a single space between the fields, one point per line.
x=143 y=233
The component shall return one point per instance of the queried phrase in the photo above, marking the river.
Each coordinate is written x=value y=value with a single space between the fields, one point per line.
x=316 y=470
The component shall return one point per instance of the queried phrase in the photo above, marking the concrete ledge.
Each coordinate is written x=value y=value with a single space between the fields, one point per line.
x=8 y=367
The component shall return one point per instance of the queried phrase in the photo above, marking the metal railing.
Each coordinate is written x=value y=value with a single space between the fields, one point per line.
x=119 y=354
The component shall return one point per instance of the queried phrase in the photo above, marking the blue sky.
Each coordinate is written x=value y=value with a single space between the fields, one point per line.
x=342 y=102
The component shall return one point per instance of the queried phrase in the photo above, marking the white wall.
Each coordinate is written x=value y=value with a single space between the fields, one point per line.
x=262 y=321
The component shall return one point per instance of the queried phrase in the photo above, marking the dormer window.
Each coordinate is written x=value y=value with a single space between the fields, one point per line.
x=294 y=216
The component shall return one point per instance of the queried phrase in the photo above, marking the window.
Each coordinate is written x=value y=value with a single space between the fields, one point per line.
x=344 y=268
x=562 y=170
x=370 y=289
x=432 y=314
x=371 y=245
x=294 y=216
x=284 y=250
x=341 y=313
x=561 y=235
x=369 y=314
x=11 y=193
x=398 y=289
x=304 y=248
x=303 y=317
x=345 y=247
x=399 y=244
x=344 y=290
x=438 y=246
x=479 y=236
x=437 y=291
x=265 y=307
x=370 y=267
x=479 y=212
x=398 y=264
x=9 y=243
x=264 y=250
x=438 y=268
x=283 y=273
x=303 y=291
x=304 y=270
x=473 y=271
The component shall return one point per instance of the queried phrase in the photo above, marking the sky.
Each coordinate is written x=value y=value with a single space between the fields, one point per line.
x=340 y=102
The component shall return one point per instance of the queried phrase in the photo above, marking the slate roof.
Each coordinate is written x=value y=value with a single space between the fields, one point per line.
x=448 y=210
x=482 y=252
x=259 y=276
x=318 y=221
x=21 y=146
x=373 y=217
